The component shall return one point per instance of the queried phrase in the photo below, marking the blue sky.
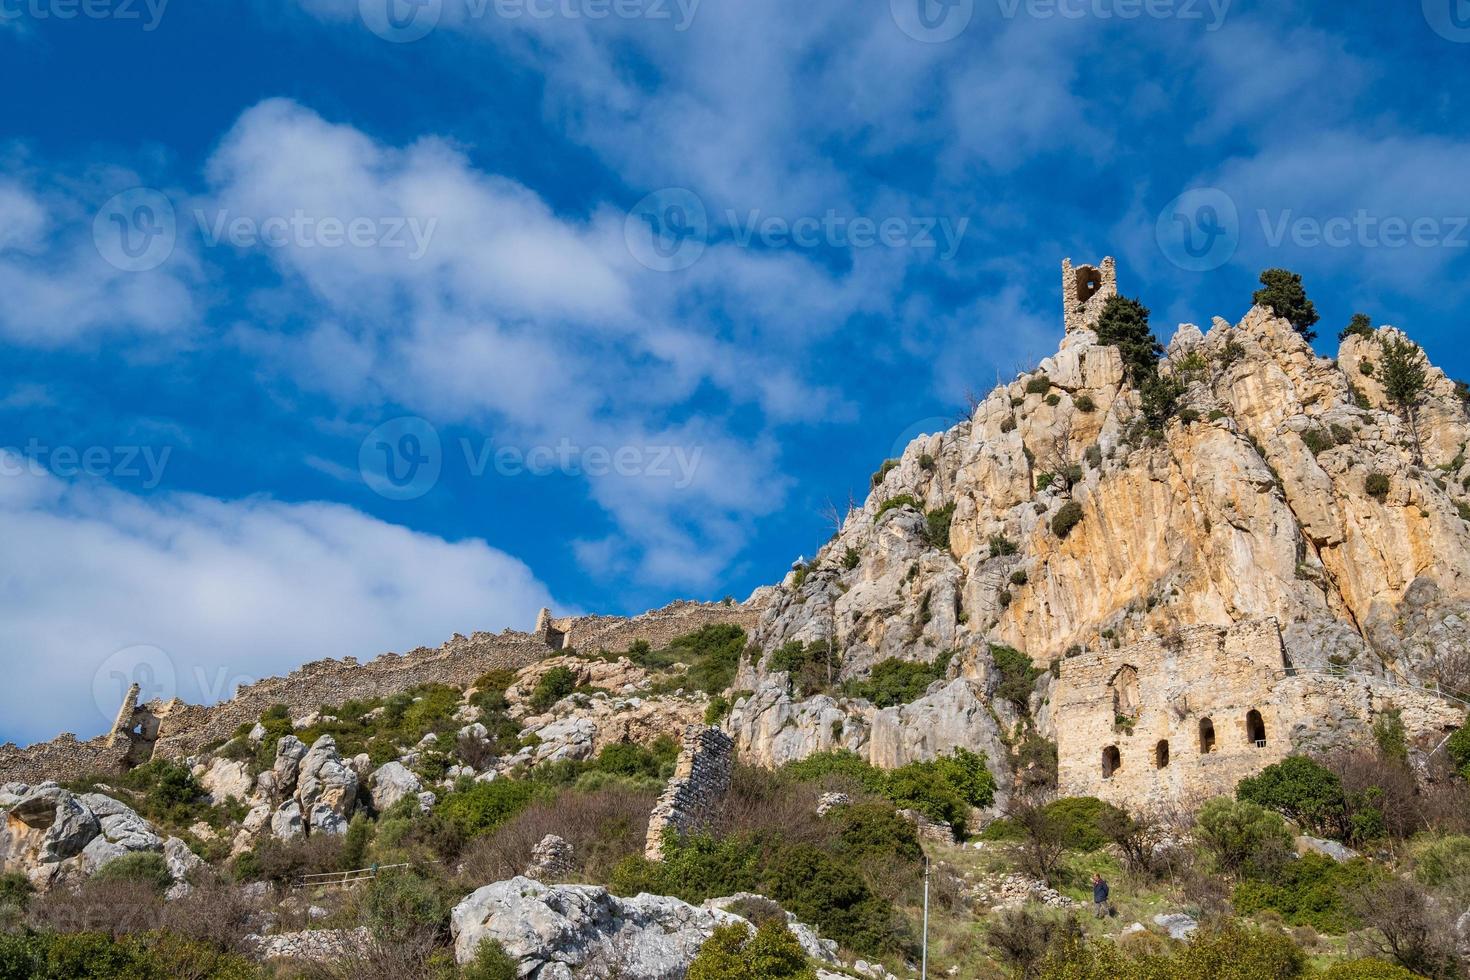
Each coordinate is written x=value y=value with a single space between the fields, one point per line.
x=624 y=293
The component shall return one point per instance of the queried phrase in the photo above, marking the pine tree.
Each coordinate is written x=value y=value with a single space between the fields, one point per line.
x=1281 y=291
x=1123 y=323
x=1404 y=378
x=1358 y=326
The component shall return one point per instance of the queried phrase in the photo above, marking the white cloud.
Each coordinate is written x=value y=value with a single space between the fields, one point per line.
x=229 y=590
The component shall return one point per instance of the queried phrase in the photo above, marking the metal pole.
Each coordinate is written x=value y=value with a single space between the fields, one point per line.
x=925 y=974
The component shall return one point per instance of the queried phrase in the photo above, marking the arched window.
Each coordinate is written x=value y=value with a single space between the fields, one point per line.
x=1126 y=704
x=1206 y=736
x=1161 y=753
x=1255 y=729
x=1111 y=761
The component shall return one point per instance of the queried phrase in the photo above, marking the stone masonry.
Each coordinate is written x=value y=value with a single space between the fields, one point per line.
x=701 y=779
x=1180 y=718
x=1084 y=291
x=176 y=729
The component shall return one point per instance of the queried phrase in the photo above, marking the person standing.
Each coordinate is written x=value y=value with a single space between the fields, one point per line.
x=1099 y=895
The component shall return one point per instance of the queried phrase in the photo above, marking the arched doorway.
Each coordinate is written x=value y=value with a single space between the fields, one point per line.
x=1161 y=753
x=1255 y=728
x=1206 y=736
x=1112 y=761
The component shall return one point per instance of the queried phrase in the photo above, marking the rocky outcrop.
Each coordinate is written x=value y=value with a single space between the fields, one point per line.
x=390 y=783
x=554 y=932
x=50 y=835
x=317 y=789
x=579 y=727
x=552 y=857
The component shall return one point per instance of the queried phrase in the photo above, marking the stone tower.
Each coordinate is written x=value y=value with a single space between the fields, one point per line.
x=1084 y=291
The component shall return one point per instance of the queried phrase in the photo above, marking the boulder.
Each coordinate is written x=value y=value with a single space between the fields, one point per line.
x=286 y=821
x=1177 y=924
x=45 y=826
x=553 y=930
x=225 y=778
x=326 y=787
x=290 y=750
x=180 y=860
x=390 y=783
x=1327 y=848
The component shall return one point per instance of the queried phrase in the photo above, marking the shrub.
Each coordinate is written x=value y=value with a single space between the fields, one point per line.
x=1038 y=385
x=850 y=559
x=882 y=472
x=1367 y=969
x=811 y=667
x=1311 y=891
x=732 y=953
x=1281 y=291
x=1085 y=403
x=1376 y=485
x=1021 y=937
x=554 y=685
x=1306 y=791
x=1358 y=326
x=1044 y=480
x=491 y=962
x=1458 y=748
x=1007 y=425
x=892 y=503
x=717 y=709
x=1439 y=861
x=1001 y=545
x=942 y=789
x=1019 y=577
x=1066 y=518
x=1406 y=926
x=926 y=462
x=1242 y=837
x=1017 y=675
x=893 y=681
x=1081 y=821
x=482 y=807
x=937 y=530
x=713 y=655
x=1053 y=400
x=1317 y=441
x=144 y=867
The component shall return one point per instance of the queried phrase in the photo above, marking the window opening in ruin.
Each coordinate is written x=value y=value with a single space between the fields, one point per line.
x=1255 y=729
x=1161 y=753
x=1126 y=702
x=1089 y=281
x=1206 y=736
x=1111 y=761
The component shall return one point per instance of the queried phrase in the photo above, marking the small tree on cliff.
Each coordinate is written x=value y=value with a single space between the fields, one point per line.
x=1282 y=292
x=1404 y=377
x=1358 y=326
x=1123 y=323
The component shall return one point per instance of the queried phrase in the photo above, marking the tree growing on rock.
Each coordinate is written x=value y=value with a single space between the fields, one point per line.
x=1404 y=377
x=1123 y=323
x=1358 y=326
x=1282 y=293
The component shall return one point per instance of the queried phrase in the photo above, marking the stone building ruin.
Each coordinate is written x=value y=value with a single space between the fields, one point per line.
x=1084 y=291
x=1180 y=718
x=701 y=779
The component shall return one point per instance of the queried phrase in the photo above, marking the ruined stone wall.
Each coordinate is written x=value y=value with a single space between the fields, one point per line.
x=176 y=729
x=1084 y=291
x=1223 y=675
x=701 y=779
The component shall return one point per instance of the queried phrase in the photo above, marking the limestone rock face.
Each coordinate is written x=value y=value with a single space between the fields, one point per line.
x=51 y=835
x=326 y=789
x=580 y=727
x=554 y=931
x=224 y=778
x=1251 y=503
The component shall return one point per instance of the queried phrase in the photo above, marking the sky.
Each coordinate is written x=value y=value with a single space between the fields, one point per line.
x=330 y=327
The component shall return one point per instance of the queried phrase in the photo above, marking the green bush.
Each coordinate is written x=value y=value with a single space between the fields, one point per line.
x=1081 y=820
x=1001 y=545
x=481 y=807
x=874 y=835
x=942 y=789
x=717 y=709
x=1281 y=291
x=1376 y=485
x=893 y=681
x=810 y=666
x=491 y=962
x=554 y=685
x=1066 y=518
x=171 y=793
x=1438 y=860
x=142 y=867
x=1017 y=675
x=1458 y=748
x=1306 y=791
x=883 y=471
x=1044 y=480
x=713 y=655
x=1227 y=952
x=1019 y=577
x=98 y=956
x=732 y=953
x=1123 y=323
x=893 y=503
x=1310 y=891
x=402 y=902
x=851 y=558
x=1317 y=440
x=1367 y=969
x=1038 y=385
x=936 y=531
x=1244 y=838
x=1085 y=403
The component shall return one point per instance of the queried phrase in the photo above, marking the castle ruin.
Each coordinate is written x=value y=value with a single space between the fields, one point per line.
x=1084 y=291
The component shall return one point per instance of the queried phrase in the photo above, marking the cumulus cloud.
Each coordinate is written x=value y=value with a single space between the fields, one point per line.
x=227 y=591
